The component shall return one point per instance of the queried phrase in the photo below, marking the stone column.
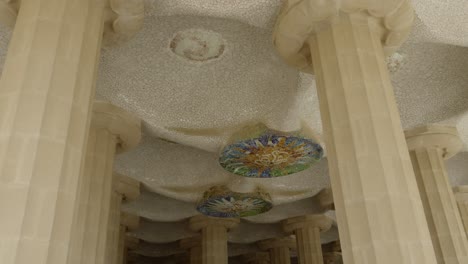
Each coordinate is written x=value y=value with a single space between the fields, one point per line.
x=214 y=237
x=124 y=189
x=46 y=90
x=279 y=249
x=429 y=146
x=112 y=130
x=379 y=210
x=307 y=230
x=461 y=196
x=193 y=244
x=122 y=250
x=257 y=258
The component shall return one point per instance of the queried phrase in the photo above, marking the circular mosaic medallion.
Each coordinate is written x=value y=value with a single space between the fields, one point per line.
x=270 y=156
x=198 y=45
x=221 y=202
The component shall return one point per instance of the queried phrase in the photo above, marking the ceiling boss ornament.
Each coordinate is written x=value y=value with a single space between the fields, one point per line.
x=263 y=153
x=219 y=201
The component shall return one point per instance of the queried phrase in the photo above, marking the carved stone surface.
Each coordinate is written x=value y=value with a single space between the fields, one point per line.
x=299 y=18
x=429 y=146
x=125 y=19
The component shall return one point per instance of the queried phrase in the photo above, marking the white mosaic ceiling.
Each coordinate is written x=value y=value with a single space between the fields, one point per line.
x=200 y=104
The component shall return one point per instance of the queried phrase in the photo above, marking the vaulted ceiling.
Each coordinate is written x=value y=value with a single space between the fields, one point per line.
x=191 y=104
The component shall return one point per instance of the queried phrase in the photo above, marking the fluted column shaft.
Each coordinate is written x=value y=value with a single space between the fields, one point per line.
x=378 y=207
x=279 y=249
x=214 y=245
x=98 y=167
x=461 y=196
x=112 y=129
x=307 y=230
x=309 y=248
x=121 y=250
x=214 y=241
x=46 y=90
x=124 y=189
x=428 y=146
x=280 y=255
x=113 y=230
x=119 y=222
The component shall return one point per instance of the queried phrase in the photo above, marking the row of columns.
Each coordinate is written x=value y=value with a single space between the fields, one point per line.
x=428 y=147
x=384 y=210
x=212 y=245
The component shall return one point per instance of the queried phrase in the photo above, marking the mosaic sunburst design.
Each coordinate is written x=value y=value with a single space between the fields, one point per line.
x=221 y=202
x=270 y=155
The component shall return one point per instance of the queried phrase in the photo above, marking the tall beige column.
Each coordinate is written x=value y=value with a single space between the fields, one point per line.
x=122 y=249
x=379 y=210
x=214 y=237
x=125 y=189
x=193 y=244
x=307 y=230
x=112 y=130
x=279 y=249
x=257 y=258
x=46 y=90
x=429 y=146
x=461 y=196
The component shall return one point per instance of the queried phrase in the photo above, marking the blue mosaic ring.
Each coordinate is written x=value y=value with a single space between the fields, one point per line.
x=270 y=155
x=221 y=202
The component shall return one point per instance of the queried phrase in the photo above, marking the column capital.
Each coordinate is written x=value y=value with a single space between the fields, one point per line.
x=191 y=242
x=127 y=187
x=118 y=122
x=124 y=18
x=321 y=222
x=199 y=222
x=325 y=199
x=132 y=222
x=435 y=136
x=257 y=256
x=267 y=244
x=298 y=19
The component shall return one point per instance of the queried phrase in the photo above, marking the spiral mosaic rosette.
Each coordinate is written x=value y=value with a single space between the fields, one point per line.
x=221 y=202
x=270 y=155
